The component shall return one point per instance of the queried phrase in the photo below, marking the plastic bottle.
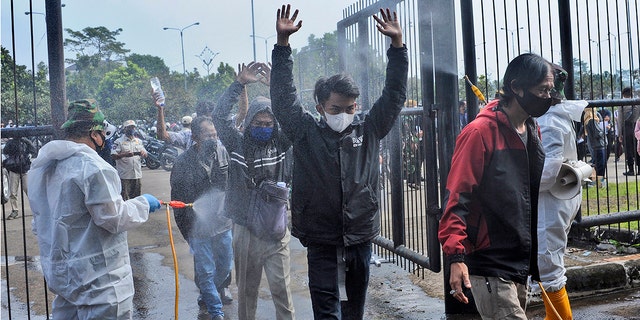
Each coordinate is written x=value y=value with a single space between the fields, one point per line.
x=155 y=85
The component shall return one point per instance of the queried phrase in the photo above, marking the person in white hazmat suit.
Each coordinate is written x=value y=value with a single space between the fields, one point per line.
x=81 y=221
x=555 y=213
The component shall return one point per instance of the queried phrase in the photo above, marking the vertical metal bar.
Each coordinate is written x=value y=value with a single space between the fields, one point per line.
x=484 y=57
x=395 y=166
x=581 y=73
x=469 y=53
x=4 y=220
x=566 y=47
x=56 y=65
x=495 y=36
x=363 y=61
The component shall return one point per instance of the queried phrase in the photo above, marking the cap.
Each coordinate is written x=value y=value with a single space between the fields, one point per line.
x=186 y=120
x=560 y=75
x=129 y=123
x=85 y=110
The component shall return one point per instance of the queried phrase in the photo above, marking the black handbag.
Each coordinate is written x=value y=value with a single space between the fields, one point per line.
x=268 y=211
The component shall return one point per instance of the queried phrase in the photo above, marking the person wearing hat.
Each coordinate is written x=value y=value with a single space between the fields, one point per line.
x=555 y=211
x=127 y=152
x=81 y=221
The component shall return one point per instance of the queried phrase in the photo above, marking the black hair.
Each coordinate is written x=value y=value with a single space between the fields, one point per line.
x=79 y=129
x=196 y=126
x=524 y=72
x=341 y=84
x=627 y=92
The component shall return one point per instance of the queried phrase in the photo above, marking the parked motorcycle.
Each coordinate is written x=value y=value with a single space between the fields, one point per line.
x=160 y=153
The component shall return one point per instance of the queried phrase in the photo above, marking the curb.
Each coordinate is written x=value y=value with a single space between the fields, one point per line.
x=612 y=274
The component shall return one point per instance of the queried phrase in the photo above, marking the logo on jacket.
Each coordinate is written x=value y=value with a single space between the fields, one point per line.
x=357 y=141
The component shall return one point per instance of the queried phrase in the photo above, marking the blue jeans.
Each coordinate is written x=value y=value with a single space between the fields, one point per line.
x=212 y=258
x=323 y=280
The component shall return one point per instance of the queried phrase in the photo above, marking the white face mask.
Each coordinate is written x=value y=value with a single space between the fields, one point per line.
x=339 y=122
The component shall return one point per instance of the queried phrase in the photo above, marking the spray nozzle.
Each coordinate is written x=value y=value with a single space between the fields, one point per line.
x=176 y=204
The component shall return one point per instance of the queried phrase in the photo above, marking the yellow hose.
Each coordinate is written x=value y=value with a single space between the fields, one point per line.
x=175 y=261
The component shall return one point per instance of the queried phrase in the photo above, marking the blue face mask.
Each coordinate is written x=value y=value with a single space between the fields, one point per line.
x=261 y=133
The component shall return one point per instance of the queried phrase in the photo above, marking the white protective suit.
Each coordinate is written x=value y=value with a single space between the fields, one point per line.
x=555 y=215
x=81 y=220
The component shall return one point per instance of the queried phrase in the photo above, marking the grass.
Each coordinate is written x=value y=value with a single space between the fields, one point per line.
x=617 y=197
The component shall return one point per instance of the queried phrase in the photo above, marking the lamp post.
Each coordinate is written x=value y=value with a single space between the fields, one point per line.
x=513 y=47
x=253 y=31
x=615 y=52
x=184 y=68
x=266 y=45
x=599 y=54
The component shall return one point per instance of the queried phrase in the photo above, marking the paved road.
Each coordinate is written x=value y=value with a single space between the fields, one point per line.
x=393 y=292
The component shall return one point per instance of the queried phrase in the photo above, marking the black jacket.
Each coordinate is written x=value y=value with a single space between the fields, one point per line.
x=190 y=182
x=336 y=175
x=268 y=158
x=19 y=152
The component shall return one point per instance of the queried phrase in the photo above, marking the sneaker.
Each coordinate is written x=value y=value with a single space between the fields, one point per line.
x=225 y=297
x=629 y=173
x=13 y=215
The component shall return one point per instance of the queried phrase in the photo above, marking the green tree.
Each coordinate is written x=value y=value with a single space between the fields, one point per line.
x=154 y=66
x=318 y=59
x=18 y=101
x=95 y=50
x=99 y=43
x=124 y=93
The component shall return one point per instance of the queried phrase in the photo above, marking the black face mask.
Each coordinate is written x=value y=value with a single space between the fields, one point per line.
x=534 y=105
x=95 y=144
x=208 y=149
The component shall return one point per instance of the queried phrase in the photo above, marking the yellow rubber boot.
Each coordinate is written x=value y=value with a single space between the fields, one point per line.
x=560 y=301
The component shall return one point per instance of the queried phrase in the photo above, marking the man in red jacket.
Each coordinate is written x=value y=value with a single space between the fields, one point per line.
x=488 y=230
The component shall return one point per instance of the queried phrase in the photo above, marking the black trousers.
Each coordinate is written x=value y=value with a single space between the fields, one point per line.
x=631 y=155
x=323 y=280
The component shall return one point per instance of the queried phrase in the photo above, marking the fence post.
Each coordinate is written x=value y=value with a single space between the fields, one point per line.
x=56 y=65
x=566 y=47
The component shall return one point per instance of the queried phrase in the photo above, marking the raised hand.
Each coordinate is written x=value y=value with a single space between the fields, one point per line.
x=250 y=73
x=390 y=27
x=266 y=76
x=286 y=26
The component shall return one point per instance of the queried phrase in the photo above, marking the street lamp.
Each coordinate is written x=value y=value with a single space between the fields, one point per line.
x=513 y=48
x=33 y=12
x=266 y=46
x=184 y=68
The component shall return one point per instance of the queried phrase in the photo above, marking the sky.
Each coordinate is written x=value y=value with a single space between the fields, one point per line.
x=225 y=27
